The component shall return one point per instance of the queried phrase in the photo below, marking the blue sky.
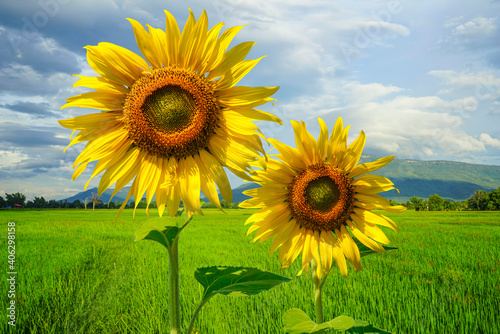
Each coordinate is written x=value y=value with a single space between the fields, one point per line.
x=421 y=78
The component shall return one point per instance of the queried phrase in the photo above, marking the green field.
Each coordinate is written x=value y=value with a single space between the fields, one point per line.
x=81 y=272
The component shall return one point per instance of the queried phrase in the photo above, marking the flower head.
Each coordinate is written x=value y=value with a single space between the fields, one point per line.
x=172 y=119
x=315 y=196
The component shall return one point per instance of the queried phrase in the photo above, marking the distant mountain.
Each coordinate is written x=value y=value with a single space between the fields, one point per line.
x=451 y=180
x=120 y=196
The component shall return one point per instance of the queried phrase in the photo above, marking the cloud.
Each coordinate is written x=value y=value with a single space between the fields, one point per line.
x=19 y=135
x=45 y=55
x=472 y=35
x=23 y=80
x=37 y=110
x=484 y=85
x=488 y=140
x=480 y=26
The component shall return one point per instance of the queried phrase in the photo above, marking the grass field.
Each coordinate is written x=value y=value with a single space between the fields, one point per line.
x=81 y=272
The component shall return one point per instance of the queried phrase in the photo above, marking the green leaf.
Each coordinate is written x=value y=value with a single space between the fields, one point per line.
x=236 y=281
x=364 y=250
x=163 y=230
x=363 y=327
x=297 y=322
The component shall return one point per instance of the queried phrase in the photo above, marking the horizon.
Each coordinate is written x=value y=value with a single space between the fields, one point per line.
x=422 y=81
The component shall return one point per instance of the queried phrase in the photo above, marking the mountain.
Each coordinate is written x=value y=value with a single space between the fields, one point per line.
x=451 y=180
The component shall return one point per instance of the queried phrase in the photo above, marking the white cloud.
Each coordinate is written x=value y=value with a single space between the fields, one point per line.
x=473 y=35
x=483 y=85
x=488 y=140
x=368 y=92
x=480 y=26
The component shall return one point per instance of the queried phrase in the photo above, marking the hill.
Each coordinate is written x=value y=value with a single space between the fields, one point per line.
x=451 y=180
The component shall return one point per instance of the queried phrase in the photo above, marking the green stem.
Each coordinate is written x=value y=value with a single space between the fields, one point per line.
x=317 y=293
x=195 y=315
x=174 y=300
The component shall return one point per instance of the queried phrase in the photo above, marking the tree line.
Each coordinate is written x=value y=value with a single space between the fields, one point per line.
x=480 y=200
x=18 y=200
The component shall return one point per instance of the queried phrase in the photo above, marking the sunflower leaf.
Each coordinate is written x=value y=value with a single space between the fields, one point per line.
x=364 y=250
x=297 y=322
x=163 y=230
x=363 y=327
x=236 y=281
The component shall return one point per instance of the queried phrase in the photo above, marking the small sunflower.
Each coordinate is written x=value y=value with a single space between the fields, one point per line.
x=170 y=121
x=315 y=194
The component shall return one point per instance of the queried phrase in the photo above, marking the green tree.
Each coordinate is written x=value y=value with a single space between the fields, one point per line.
x=16 y=198
x=40 y=202
x=417 y=203
x=475 y=200
x=435 y=203
x=494 y=198
x=2 y=202
x=77 y=204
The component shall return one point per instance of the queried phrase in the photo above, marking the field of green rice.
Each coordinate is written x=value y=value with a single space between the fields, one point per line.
x=81 y=272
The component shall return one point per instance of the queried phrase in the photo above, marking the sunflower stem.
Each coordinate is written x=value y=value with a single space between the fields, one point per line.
x=317 y=292
x=174 y=301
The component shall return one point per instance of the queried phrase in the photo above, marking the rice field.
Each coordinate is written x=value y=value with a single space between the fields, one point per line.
x=81 y=272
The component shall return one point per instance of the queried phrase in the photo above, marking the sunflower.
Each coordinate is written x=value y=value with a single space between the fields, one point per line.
x=315 y=196
x=170 y=121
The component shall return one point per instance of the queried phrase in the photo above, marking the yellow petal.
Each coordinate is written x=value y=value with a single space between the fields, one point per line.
x=172 y=36
x=370 y=230
x=322 y=141
x=353 y=153
x=220 y=47
x=90 y=121
x=256 y=115
x=189 y=180
x=237 y=73
x=246 y=96
x=145 y=44
x=364 y=239
x=372 y=184
x=349 y=247
x=218 y=173
x=339 y=257
x=207 y=183
x=230 y=59
x=375 y=218
x=100 y=84
x=326 y=243
x=184 y=39
x=96 y=100
x=370 y=166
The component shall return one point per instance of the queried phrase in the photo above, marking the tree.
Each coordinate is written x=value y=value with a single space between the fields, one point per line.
x=418 y=203
x=477 y=199
x=95 y=200
x=39 y=202
x=2 y=202
x=435 y=203
x=77 y=204
x=13 y=199
x=86 y=201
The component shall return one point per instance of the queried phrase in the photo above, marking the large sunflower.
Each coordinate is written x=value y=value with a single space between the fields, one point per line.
x=172 y=119
x=316 y=196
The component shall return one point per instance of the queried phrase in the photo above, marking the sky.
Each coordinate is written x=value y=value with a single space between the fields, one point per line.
x=420 y=78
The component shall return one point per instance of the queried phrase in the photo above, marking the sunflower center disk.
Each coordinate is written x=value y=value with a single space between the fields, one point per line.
x=321 y=197
x=171 y=112
x=169 y=108
x=322 y=194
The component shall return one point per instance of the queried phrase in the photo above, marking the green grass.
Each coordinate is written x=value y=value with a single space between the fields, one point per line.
x=81 y=272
